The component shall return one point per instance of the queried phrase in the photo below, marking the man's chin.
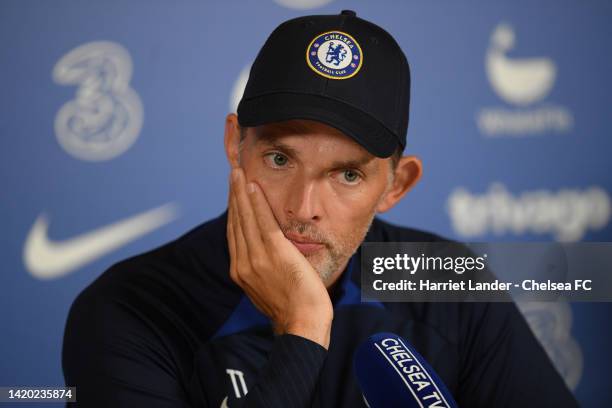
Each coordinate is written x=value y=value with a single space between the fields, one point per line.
x=324 y=266
x=316 y=261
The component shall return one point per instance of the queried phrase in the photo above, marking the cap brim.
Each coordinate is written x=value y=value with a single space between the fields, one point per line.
x=358 y=125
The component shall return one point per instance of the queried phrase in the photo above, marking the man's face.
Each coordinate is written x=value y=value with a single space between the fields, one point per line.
x=322 y=186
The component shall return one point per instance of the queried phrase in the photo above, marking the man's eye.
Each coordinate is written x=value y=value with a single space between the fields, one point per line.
x=276 y=159
x=349 y=177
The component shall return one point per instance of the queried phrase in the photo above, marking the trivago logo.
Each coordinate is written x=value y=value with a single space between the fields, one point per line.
x=566 y=214
x=523 y=83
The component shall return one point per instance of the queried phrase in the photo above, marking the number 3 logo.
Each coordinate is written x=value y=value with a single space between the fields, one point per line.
x=105 y=117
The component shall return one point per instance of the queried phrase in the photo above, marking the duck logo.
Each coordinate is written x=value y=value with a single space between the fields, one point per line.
x=522 y=82
x=334 y=55
x=517 y=81
x=105 y=117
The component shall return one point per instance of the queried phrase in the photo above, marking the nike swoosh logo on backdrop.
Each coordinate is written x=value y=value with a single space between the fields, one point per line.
x=46 y=259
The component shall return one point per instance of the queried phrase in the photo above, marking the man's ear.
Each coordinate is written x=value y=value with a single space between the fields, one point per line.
x=232 y=140
x=407 y=173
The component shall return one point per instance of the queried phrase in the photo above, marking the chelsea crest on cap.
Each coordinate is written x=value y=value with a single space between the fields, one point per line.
x=334 y=55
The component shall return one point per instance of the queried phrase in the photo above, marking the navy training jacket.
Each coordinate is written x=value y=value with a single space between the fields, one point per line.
x=169 y=328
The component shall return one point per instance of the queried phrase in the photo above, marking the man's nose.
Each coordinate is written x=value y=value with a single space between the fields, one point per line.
x=304 y=201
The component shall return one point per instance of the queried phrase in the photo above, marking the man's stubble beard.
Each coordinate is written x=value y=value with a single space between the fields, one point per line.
x=336 y=251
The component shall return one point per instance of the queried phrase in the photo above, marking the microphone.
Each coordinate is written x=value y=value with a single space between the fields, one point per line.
x=391 y=373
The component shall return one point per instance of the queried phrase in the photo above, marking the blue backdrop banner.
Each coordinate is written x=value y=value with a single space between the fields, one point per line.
x=111 y=133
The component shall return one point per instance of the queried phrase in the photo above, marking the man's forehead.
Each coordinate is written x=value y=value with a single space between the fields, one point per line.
x=325 y=137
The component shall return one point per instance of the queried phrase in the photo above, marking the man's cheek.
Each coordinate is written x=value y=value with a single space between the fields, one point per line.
x=353 y=222
x=273 y=190
x=349 y=211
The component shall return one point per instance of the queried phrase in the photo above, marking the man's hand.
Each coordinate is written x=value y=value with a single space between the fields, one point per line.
x=275 y=275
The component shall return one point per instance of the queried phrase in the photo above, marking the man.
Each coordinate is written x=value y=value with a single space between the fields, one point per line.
x=261 y=307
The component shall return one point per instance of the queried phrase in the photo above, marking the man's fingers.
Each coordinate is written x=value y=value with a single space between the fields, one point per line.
x=263 y=213
x=231 y=237
x=247 y=222
x=231 y=243
x=242 y=254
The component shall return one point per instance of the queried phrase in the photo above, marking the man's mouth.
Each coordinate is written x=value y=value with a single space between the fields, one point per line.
x=304 y=245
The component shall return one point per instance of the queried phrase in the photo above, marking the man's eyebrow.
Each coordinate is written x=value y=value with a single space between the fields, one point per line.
x=352 y=163
x=280 y=146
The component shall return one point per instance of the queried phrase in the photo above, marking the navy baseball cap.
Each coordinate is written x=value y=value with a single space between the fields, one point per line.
x=337 y=69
